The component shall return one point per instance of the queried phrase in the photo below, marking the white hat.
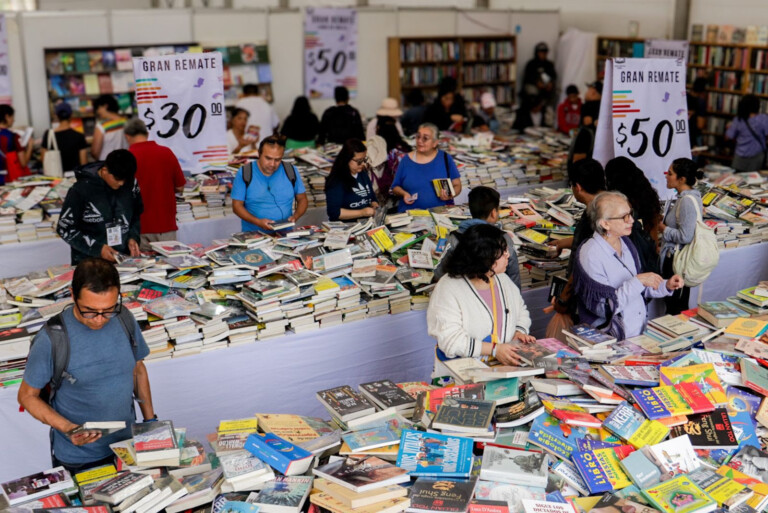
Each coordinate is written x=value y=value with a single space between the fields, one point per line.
x=389 y=107
x=487 y=101
x=377 y=150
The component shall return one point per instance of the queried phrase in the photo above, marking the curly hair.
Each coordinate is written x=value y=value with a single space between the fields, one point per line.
x=621 y=174
x=478 y=249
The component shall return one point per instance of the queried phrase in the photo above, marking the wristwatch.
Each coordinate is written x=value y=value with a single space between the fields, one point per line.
x=153 y=419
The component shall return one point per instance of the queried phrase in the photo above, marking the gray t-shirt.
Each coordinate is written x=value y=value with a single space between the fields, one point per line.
x=102 y=362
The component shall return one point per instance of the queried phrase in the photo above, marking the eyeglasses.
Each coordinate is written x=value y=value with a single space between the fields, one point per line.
x=107 y=314
x=361 y=161
x=423 y=137
x=627 y=218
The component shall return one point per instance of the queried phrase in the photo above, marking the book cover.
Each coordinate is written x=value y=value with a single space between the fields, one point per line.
x=514 y=466
x=362 y=473
x=754 y=376
x=434 y=455
x=531 y=506
x=661 y=402
x=614 y=502
x=725 y=491
x=750 y=460
x=468 y=391
x=447 y=495
x=679 y=495
x=373 y=437
x=502 y=391
x=589 y=335
x=674 y=456
x=285 y=491
x=631 y=426
x=702 y=374
x=345 y=403
x=254 y=258
x=512 y=494
x=528 y=407
x=694 y=397
x=641 y=470
x=37 y=485
x=153 y=436
x=289 y=427
x=278 y=453
x=711 y=430
x=237 y=464
x=465 y=415
x=601 y=470
x=82 y=63
x=570 y=413
x=352 y=499
x=387 y=394
x=546 y=432
x=747 y=327
x=330 y=503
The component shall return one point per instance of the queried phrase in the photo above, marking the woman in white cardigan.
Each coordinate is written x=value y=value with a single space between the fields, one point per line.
x=461 y=313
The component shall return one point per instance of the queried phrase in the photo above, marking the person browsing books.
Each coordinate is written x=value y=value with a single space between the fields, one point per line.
x=10 y=146
x=414 y=181
x=159 y=176
x=271 y=193
x=101 y=213
x=104 y=373
x=348 y=188
x=108 y=135
x=749 y=129
x=484 y=207
x=71 y=144
x=608 y=288
x=679 y=224
x=475 y=309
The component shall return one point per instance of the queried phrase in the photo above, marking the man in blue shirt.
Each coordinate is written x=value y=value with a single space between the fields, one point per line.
x=270 y=196
x=103 y=374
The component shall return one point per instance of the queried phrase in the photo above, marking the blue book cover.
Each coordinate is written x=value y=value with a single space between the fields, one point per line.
x=240 y=507
x=345 y=283
x=588 y=444
x=276 y=452
x=434 y=455
x=651 y=404
x=547 y=434
x=251 y=258
x=377 y=436
x=624 y=421
x=592 y=472
x=744 y=427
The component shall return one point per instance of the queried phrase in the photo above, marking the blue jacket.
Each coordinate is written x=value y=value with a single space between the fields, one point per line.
x=513 y=267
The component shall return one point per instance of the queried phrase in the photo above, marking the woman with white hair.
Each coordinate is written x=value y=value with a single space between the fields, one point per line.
x=609 y=291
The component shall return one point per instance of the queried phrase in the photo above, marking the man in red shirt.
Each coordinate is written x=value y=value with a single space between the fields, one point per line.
x=569 y=111
x=160 y=177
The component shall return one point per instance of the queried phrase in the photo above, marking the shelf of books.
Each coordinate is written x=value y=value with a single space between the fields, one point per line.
x=478 y=63
x=609 y=47
x=80 y=75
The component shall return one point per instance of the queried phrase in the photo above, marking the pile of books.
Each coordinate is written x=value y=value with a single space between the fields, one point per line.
x=675 y=419
x=30 y=208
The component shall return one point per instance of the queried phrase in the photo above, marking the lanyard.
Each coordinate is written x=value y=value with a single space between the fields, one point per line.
x=494 y=333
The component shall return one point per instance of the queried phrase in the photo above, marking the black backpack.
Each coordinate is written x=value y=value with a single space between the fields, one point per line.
x=290 y=172
x=57 y=333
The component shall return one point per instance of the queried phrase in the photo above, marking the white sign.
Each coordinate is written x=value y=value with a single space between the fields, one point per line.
x=181 y=99
x=644 y=116
x=666 y=49
x=330 y=51
x=5 y=66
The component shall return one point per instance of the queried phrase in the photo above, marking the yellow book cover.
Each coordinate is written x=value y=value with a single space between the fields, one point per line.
x=96 y=474
x=249 y=425
x=419 y=212
x=327 y=501
x=757 y=486
x=586 y=503
x=325 y=283
x=747 y=327
x=533 y=235
x=702 y=374
x=610 y=463
x=651 y=432
x=289 y=427
x=724 y=489
x=381 y=238
x=673 y=401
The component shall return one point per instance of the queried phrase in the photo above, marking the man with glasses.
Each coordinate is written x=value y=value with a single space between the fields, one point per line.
x=267 y=190
x=104 y=373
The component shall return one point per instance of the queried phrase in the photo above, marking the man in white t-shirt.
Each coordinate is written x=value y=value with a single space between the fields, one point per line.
x=262 y=115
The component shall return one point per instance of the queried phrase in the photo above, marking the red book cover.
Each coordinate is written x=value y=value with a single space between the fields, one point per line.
x=471 y=391
x=484 y=506
x=695 y=398
x=577 y=418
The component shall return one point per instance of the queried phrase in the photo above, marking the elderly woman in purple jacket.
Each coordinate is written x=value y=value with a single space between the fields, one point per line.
x=609 y=291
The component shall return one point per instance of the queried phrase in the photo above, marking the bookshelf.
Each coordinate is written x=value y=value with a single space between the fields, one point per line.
x=478 y=63
x=609 y=47
x=80 y=75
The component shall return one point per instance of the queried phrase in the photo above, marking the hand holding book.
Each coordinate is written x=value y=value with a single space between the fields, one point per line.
x=79 y=436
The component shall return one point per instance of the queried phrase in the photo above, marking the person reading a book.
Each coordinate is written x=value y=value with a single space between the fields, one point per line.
x=159 y=176
x=102 y=212
x=609 y=289
x=421 y=170
x=271 y=195
x=104 y=373
x=679 y=224
x=484 y=207
x=749 y=129
x=476 y=309
x=348 y=188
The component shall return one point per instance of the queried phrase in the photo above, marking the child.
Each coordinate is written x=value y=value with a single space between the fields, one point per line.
x=569 y=111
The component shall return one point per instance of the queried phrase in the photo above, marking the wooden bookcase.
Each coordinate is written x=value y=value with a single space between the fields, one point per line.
x=610 y=46
x=80 y=75
x=478 y=63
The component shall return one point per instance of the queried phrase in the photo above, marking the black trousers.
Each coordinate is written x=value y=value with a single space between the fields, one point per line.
x=678 y=301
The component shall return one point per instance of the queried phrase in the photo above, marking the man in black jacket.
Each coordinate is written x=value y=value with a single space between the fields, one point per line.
x=101 y=212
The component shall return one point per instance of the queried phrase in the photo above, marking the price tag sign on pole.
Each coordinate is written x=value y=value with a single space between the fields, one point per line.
x=181 y=99
x=330 y=51
x=644 y=116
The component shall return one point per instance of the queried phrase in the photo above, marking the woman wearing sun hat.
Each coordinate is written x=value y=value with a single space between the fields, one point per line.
x=390 y=108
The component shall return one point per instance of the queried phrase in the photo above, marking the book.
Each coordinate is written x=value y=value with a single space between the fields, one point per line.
x=726 y=492
x=679 y=495
x=588 y=336
x=434 y=455
x=547 y=434
x=601 y=470
x=464 y=415
x=754 y=376
x=444 y=495
x=280 y=454
x=286 y=494
x=344 y=403
x=469 y=391
x=711 y=430
x=241 y=465
x=362 y=473
x=747 y=327
x=556 y=386
x=514 y=466
x=461 y=368
x=502 y=391
x=641 y=470
x=521 y=412
x=37 y=485
x=630 y=425
x=117 y=489
x=352 y=499
x=154 y=441
x=570 y=413
x=641 y=375
x=252 y=258
x=105 y=428
x=674 y=456
x=661 y=402
x=373 y=437
x=419 y=259
x=615 y=502
x=386 y=394
x=702 y=374
x=532 y=506
x=443 y=185
x=720 y=313
x=749 y=461
x=512 y=494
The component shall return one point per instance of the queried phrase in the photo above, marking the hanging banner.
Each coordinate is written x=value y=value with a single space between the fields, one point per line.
x=330 y=51
x=5 y=67
x=644 y=116
x=180 y=97
x=666 y=49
